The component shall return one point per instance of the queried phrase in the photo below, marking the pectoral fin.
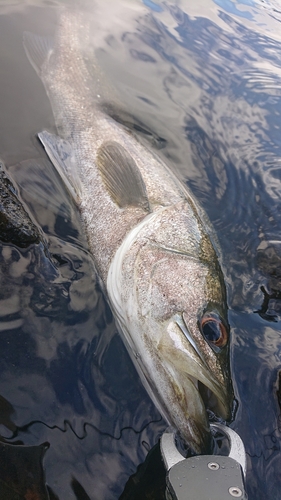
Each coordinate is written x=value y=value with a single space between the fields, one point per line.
x=121 y=176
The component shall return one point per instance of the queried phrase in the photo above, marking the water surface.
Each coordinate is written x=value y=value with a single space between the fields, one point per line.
x=205 y=79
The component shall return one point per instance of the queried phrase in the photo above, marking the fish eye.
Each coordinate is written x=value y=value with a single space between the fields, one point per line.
x=214 y=330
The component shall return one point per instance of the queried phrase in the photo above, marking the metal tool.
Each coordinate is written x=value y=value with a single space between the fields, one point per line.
x=205 y=477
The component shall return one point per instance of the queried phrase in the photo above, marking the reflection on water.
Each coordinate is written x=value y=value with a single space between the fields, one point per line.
x=206 y=80
x=71 y=381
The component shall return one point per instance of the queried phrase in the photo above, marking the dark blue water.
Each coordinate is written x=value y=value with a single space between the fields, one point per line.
x=205 y=80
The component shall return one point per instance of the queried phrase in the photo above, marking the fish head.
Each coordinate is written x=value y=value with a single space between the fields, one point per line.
x=176 y=323
x=187 y=335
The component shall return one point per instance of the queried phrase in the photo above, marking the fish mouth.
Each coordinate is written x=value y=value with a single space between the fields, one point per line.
x=216 y=397
x=215 y=408
x=209 y=407
x=203 y=380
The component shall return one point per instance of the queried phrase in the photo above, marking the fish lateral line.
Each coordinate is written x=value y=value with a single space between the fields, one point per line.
x=173 y=250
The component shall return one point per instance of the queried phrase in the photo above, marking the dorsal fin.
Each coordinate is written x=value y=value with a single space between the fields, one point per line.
x=62 y=156
x=121 y=176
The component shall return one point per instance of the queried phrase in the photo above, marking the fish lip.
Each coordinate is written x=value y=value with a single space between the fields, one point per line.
x=217 y=400
x=216 y=408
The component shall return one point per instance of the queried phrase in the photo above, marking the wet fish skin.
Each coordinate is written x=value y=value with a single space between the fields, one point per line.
x=150 y=240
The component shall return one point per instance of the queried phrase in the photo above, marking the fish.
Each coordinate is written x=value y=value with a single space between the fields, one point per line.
x=152 y=244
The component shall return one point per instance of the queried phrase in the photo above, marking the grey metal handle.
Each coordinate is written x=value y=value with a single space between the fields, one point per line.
x=172 y=456
x=237 y=449
x=169 y=451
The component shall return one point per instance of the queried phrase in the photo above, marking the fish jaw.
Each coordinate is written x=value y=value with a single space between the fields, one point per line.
x=158 y=293
x=188 y=366
x=213 y=372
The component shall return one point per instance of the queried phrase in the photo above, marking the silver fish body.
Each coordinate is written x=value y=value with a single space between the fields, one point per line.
x=150 y=240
